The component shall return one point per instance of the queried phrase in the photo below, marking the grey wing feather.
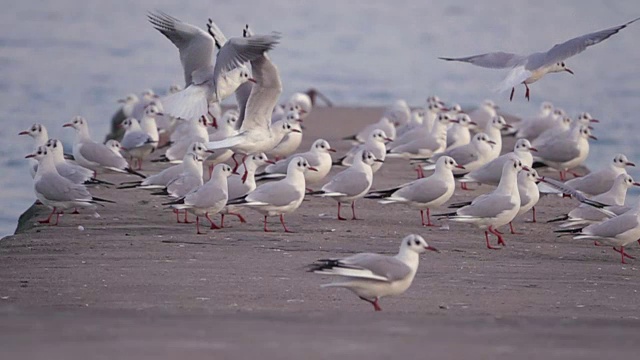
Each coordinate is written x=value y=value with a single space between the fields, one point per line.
x=242 y=97
x=237 y=51
x=487 y=206
x=579 y=195
x=494 y=60
x=264 y=94
x=558 y=151
x=278 y=193
x=572 y=47
x=56 y=188
x=348 y=183
x=102 y=155
x=135 y=139
x=389 y=267
x=423 y=191
x=463 y=155
x=613 y=226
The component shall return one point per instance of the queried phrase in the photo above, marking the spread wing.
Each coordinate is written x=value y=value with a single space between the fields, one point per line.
x=264 y=94
x=573 y=47
x=494 y=60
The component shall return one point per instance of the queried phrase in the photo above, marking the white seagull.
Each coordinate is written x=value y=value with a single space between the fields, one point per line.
x=527 y=69
x=373 y=276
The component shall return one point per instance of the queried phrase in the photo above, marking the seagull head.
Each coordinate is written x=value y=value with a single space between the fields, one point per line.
x=415 y=243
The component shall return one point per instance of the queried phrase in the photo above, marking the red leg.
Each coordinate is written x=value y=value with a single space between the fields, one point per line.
x=500 y=239
x=283 y=225
x=48 y=220
x=186 y=220
x=235 y=167
x=213 y=225
x=242 y=220
x=140 y=164
x=526 y=94
x=375 y=304
x=177 y=212
x=353 y=210
x=463 y=186
x=265 y=224
x=420 y=172
x=623 y=254
x=198 y=226
x=429 y=223
x=596 y=243
x=210 y=170
x=486 y=237
x=57 y=218
x=340 y=217
x=214 y=121
x=222 y=221
x=562 y=175
x=512 y=91
x=496 y=231
x=244 y=176
x=512 y=230
x=534 y=214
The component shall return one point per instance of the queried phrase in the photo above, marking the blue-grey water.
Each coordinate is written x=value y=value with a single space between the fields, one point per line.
x=60 y=58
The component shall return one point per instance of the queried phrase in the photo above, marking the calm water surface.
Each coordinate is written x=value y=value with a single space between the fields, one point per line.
x=62 y=58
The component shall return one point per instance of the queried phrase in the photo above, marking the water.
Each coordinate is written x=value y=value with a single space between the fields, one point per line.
x=68 y=57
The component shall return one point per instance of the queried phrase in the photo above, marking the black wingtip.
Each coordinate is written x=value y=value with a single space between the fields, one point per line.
x=560 y=218
x=133 y=172
x=175 y=202
x=102 y=200
x=161 y=192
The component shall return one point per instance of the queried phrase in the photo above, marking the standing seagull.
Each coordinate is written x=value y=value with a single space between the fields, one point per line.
x=372 y=276
x=352 y=183
x=279 y=197
x=527 y=69
x=425 y=193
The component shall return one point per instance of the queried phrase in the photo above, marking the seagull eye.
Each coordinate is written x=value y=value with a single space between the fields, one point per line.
x=417 y=242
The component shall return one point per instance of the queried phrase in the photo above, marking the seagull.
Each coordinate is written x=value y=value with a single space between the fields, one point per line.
x=40 y=135
x=600 y=181
x=493 y=128
x=527 y=69
x=619 y=231
x=375 y=144
x=530 y=128
x=422 y=142
x=458 y=134
x=207 y=199
x=319 y=157
x=94 y=155
x=373 y=276
x=491 y=172
x=352 y=183
x=384 y=124
x=425 y=193
x=529 y=193
x=292 y=140
x=72 y=171
x=185 y=134
x=564 y=152
x=206 y=83
x=484 y=113
x=241 y=185
x=279 y=197
x=136 y=142
x=492 y=210
x=162 y=179
x=56 y=191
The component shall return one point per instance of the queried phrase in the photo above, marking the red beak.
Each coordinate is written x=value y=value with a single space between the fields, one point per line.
x=312 y=168
x=455 y=121
x=594 y=120
x=491 y=142
x=252 y=80
x=331 y=150
x=593 y=137
x=459 y=166
x=508 y=126
x=67 y=125
x=270 y=161
x=23 y=132
x=388 y=139
x=569 y=71
x=210 y=151
x=429 y=247
x=473 y=123
x=636 y=184
x=526 y=168
x=30 y=156
x=628 y=163
x=296 y=131
x=533 y=149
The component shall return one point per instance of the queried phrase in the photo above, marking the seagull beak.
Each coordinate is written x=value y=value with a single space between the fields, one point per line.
x=507 y=126
x=235 y=173
x=296 y=131
x=636 y=184
x=429 y=247
x=459 y=166
x=590 y=127
x=594 y=120
x=569 y=71
x=388 y=139
x=496 y=107
x=331 y=150
x=252 y=80
x=378 y=160
x=159 y=114
x=67 y=125
x=491 y=142
x=533 y=149
x=30 y=156
x=270 y=161
x=23 y=132
x=473 y=123
x=121 y=101
x=312 y=168
x=455 y=121
x=210 y=151
x=302 y=111
x=526 y=168
x=155 y=96
x=445 y=109
x=593 y=137
x=628 y=163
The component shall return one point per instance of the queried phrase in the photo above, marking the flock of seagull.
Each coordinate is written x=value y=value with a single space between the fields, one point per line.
x=248 y=156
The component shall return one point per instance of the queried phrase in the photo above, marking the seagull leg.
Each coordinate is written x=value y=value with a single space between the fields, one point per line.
x=214 y=121
x=246 y=172
x=534 y=214
x=283 y=225
x=340 y=217
x=596 y=243
x=463 y=186
x=353 y=210
x=623 y=254
x=513 y=232
x=177 y=212
x=526 y=94
x=48 y=220
x=500 y=239
x=486 y=236
x=235 y=167
x=265 y=224
x=213 y=225
x=375 y=304
x=186 y=221
x=222 y=220
x=562 y=176
x=198 y=226
x=240 y=217
x=210 y=170
x=57 y=218
x=513 y=89
x=429 y=223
